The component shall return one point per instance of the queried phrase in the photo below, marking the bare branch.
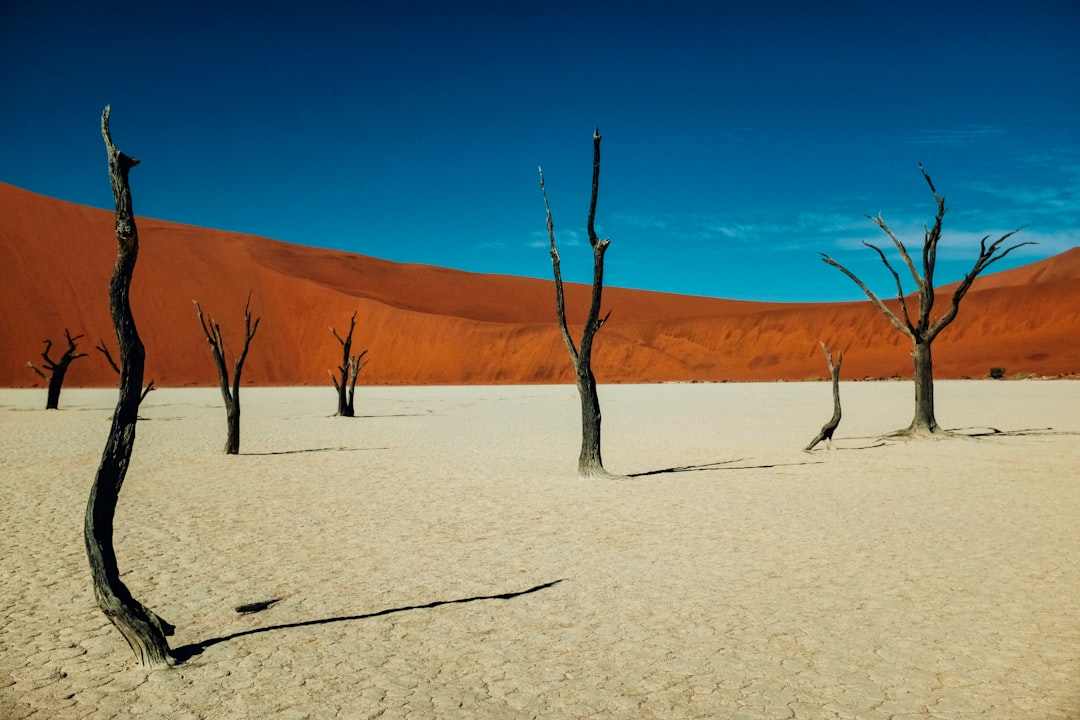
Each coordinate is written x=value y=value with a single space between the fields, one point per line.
x=901 y=248
x=988 y=255
x=39 y=373
x=108 y=356
x=249 y=333
x=896 y=321
x=899 y=288
x=560 y=298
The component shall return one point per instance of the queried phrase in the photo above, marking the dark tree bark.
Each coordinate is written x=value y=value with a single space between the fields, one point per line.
x=829 y=428
x=590 y=463
x=57 y=368
x=104 y=350
x=144 y=631
x=924 y=329
x=212 y=331
x=348 y=371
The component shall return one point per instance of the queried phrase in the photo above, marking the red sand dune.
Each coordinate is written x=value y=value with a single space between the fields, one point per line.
x=429 y=325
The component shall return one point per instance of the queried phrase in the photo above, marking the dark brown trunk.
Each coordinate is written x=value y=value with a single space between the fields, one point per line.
x=924 y=420
x=56 y=382
x=232 y=415
x=590 y=463
x=144 y=631
x=829 y=428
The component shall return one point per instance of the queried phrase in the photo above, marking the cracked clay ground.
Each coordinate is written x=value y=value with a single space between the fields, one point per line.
x=438 y=558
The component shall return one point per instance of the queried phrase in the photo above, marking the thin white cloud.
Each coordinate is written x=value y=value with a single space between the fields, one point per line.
x=956 y=136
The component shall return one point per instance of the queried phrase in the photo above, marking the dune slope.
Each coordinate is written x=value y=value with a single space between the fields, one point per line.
x=429 y=325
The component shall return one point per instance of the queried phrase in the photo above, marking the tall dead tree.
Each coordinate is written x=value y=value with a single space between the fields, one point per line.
x=212 y=331
x=143 y=629
x=590 y=463
x=829 y=428
x=348 y=370
x=57 y=368
x=104 y=350
x=923 y=329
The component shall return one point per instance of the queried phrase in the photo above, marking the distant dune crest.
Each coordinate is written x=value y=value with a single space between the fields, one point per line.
x=429 y=325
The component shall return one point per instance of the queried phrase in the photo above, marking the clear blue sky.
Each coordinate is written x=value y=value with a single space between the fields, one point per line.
x=739 y=138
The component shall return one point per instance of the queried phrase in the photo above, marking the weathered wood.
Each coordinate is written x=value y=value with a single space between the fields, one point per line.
x=829 y=427
x=143 y=629
x=924 y=329
x=57 y=368
x=104 y=350
x=590 y=462
x=349 y=370
x=231 y=396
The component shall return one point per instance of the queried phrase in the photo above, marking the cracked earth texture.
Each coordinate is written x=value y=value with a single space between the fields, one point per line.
x=926 y=579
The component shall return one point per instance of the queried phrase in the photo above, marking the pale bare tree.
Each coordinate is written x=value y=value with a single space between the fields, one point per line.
x=923 y=328
x=212 y=331
x=143 y=629
x=590 y=463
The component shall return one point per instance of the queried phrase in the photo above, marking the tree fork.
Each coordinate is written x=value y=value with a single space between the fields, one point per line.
x=143 y=629
x=923 y=330
x=349 y=369
x=57 y=368
x=212 y=331
x=590 y=462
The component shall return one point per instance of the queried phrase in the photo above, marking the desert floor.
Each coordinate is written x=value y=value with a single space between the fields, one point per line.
x=438 y=557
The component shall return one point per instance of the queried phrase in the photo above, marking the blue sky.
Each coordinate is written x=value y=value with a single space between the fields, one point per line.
x=740 y=139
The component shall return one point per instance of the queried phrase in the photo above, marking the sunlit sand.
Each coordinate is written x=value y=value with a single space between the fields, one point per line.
x=437 y=557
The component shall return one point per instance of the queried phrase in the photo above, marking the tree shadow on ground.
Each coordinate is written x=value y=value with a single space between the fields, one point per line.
x=721 y=465
x=962 y=433
x=187 y=652
x=312 y=450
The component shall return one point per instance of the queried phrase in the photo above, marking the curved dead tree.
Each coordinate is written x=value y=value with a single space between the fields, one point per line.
x=590 y=463
x=104 y=350
x=829 y=428
x=57 y=368
x=348 y=371
x=922 y=329
x=212 y=331
x=144 y=631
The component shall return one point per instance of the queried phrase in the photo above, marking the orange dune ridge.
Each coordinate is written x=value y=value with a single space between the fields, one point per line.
x=429 y=325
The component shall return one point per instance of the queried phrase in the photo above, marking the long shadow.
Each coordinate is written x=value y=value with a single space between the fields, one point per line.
x=314 y=450
x=186 y=652
x=721 y=465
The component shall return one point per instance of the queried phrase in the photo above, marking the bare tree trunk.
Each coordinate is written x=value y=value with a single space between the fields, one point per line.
x=104 y=350
x=829 y=428
x=143 y=629
x=57 y=369
x=924 y=421
x=349 y=370
x=590 y=463
x=212 y=331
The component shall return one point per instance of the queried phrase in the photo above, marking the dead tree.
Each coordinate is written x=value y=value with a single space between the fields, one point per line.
x=104 y=350
x=212 y=331
x=829 y=428
x=590 y=463
x=349 y=369
x=923 y=329
x=57 y=368
x=144 y=631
